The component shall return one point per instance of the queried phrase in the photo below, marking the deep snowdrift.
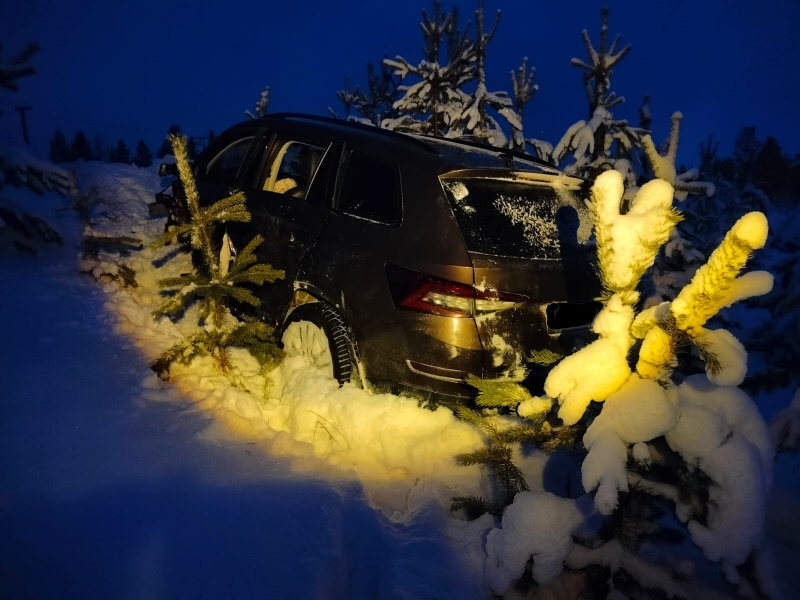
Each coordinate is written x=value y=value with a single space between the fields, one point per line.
x=124 y=486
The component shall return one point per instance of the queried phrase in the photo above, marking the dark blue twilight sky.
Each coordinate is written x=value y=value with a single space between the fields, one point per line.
x=130 y=68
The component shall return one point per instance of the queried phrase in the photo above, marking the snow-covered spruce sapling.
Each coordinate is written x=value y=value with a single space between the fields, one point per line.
x=700 y=445
x=262 y=106
x=474 y=122
x=537 y=428
x=664 y=166
x=522 y=90
x=601 y=142
x=427 y=106
x=712 y=425
x=217 y=283
x=377 y=103
x=679 y=258
x=438 y=104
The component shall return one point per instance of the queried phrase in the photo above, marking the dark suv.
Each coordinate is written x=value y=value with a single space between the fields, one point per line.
x=422 y=260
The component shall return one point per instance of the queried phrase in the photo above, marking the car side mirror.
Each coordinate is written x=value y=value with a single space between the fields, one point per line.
x=168 y=170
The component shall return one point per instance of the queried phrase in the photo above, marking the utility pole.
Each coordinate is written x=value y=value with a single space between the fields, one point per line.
x=22 y=110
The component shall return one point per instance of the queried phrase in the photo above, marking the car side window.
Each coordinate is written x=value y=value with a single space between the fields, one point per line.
x=371 y=189
x=224 y=167
x=293 y=169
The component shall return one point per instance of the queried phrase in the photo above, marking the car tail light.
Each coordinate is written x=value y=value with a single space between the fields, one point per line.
x=417 y=291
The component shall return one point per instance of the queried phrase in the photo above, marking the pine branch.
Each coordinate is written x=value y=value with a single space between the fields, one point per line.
x=240 y=294
x=182 y=280
x=230 y=209
x=474 y=506
x=256 y=274
x=173 y=235
x=492 y=393
x=183 y=352
x=484 y=456
x=545 y=357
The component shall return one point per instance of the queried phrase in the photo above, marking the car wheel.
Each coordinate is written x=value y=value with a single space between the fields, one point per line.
x=318 y=332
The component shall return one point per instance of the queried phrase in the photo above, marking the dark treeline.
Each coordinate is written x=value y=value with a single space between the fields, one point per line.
x=80 y=148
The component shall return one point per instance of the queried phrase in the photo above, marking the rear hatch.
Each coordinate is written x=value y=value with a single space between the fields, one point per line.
x=529 y=238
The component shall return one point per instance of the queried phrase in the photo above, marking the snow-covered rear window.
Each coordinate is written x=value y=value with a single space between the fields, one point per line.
x=506 y=217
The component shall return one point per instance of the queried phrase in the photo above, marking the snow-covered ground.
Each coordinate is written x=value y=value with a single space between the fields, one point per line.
x=114 y=484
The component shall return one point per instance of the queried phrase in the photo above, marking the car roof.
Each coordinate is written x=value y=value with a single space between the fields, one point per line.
x=440 y=154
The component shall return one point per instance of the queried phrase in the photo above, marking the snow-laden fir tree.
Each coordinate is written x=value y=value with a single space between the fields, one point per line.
x=262 y=105
x=438 y=104
x=226 y=276
x=348 y=97
x=698 y=448
x=475 y=122
x=679 y=258
x=591 y=146
x=522 y=91
x=428 y=106
x=377 y=103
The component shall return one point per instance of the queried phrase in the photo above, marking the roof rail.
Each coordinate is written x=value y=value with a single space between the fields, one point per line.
x=353 y=124
x=499 y=149
x=417 y=138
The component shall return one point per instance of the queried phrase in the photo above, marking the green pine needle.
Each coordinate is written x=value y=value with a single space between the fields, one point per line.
x=545 y=357
x=493 y=393
x=474 y=506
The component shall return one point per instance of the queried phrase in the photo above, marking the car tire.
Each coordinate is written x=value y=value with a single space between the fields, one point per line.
x=343 y=354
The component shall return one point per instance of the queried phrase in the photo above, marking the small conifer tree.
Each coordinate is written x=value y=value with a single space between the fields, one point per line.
x=646 y=438
x=262 y=106
x=59 y=149
x=166 y=146
x=81 y=148
x=217 y=283
x=143 y=158
x=102 y=150
x=121 y=153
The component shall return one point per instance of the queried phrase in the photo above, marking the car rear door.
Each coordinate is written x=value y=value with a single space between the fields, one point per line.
x=289 y=196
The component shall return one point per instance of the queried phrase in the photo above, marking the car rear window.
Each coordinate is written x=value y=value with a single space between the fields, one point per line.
x=224 y=167
x=531 y=219
x=371 y=189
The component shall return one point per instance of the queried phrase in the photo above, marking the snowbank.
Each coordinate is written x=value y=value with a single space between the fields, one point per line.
x=295 y=410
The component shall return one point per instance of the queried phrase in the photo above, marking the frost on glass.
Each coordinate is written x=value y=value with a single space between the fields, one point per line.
x=510 y=217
